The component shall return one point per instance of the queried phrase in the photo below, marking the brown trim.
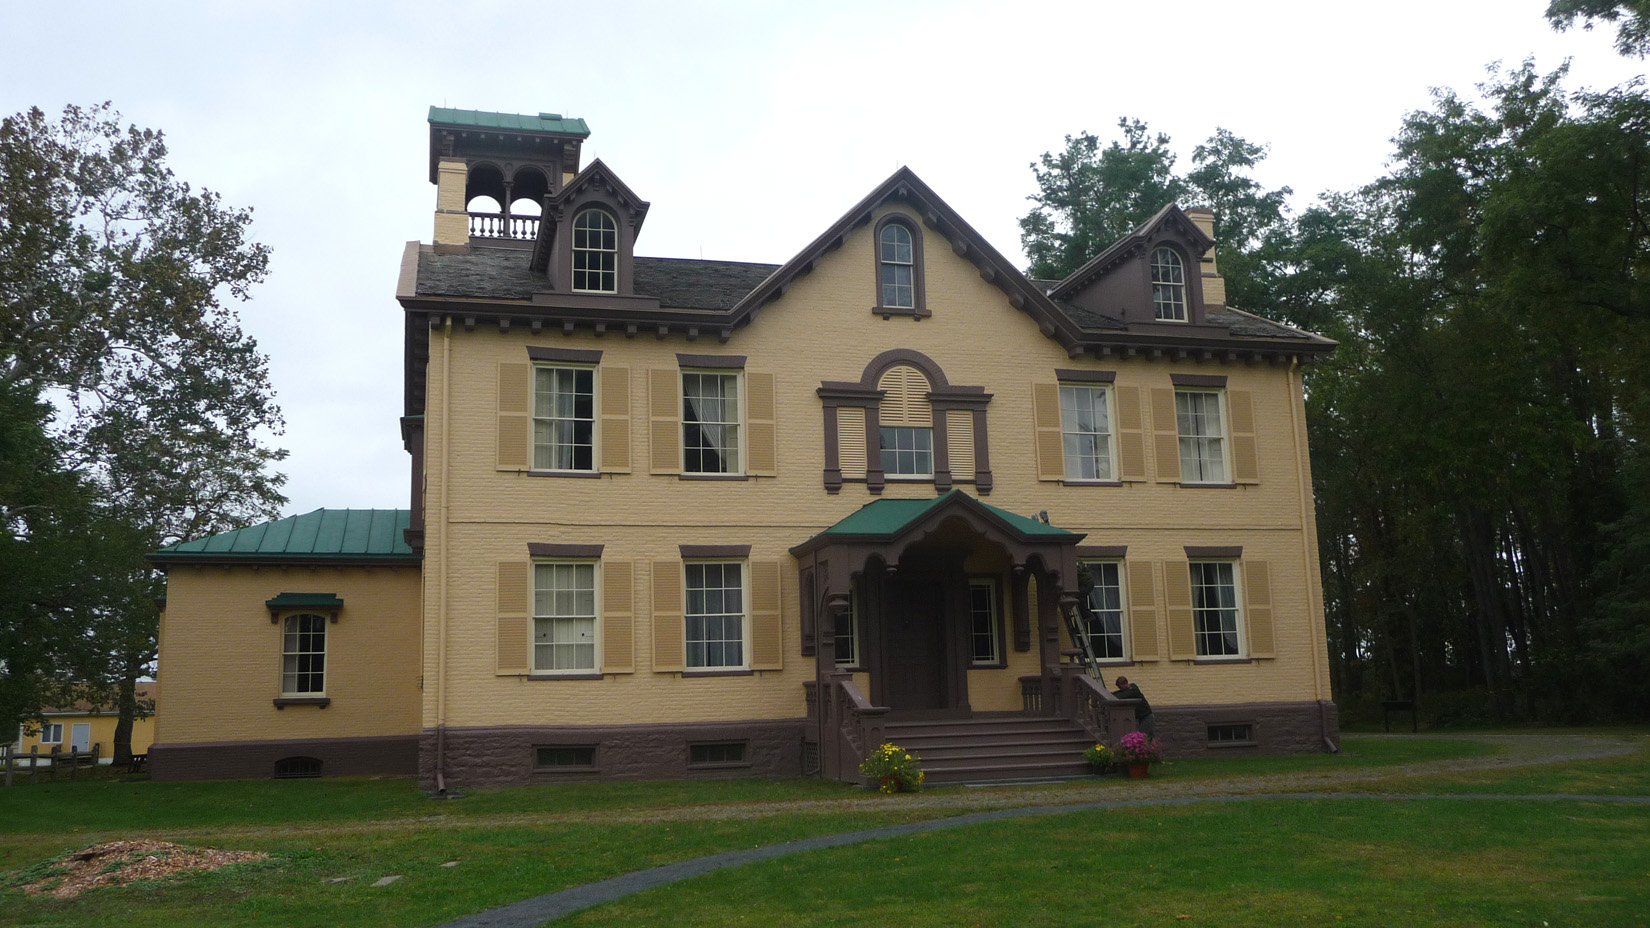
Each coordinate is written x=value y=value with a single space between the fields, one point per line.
x=1209 y=661
x=692 y=673
x=1076 y=376
x=1102 y=552
x=919 y=296
x=1205 y=551
x=565 y=676
x=1198 y=380
x=714 y=550
x=561 y=473
x=736 y=478
x=554 y=549
x=570 y=355
x=379 y=755
x=281 y=702
x=719 y=362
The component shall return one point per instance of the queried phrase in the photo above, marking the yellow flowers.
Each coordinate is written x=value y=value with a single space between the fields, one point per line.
x=893 y=769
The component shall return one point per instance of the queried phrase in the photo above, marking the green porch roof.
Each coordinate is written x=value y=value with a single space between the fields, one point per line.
x=477 y=119
x=886 y=518
x=359 y=535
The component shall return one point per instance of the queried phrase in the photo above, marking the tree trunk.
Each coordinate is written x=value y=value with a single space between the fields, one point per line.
x=127 y=701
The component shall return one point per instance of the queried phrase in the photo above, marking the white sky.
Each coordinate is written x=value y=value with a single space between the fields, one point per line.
x=314 y=114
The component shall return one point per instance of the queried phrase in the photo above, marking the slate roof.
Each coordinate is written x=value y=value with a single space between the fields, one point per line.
x=337 y=535
x=479 y=119
x=502 y=274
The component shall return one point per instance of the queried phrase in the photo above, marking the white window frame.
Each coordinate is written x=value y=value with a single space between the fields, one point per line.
x=1071 y=437
x=606 y=269
x=995 y=619
x=916 y=454
x=545 y=620
x=906 y=292
x=853 y=636
x=51 y=732
x=1168 y=295
x=736 y=425
x=1201 y=636
x=294 y=657
x=549 y=422
x=1196 y=464
x=1125 y=652
x=743 y=614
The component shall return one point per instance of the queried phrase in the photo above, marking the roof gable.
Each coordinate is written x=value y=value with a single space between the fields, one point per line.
x=1169 y=221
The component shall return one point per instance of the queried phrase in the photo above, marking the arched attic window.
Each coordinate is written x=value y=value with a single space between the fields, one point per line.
x=906 y=422
x=899 y=267
x=1168 y=285
x=595 y=252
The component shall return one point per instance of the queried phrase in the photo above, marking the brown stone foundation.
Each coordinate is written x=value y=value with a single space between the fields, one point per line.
x=339 y=757
x=1275 y=728
x=506 y=756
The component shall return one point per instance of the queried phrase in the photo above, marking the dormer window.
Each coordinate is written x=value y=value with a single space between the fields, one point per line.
x=595 y=252
x=1168 y=286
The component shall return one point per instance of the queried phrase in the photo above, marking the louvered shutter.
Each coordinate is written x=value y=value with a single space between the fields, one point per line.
x=850 y=441
x=767 y=632
x=762 y=460
x=615 y=420
x=1177 y=596
x=906 y=402
x=618 y=616
x=669 y=636
x=515 y=418
x=1240 y=411
x=1045 y=418
x=959 y=432
x=1131 y=435
x=1257 y=608
x=664 y=421
x=513 y=635
x=1165 y=435
x=1142 y=611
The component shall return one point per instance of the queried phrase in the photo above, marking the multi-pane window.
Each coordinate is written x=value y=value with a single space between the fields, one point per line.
x=51 y=733
x=1168 y=285
x=1085 y=429
x=982 y=614
x=898 y=266
x=304 y=654
x=715 y=615
x=1104 y=611
x=907 y=450
x=595 y=252
x=564 y=616
x=564 y=418
x=1202 y=437
x=710 y=423
x=1215 y=609
x=847 y=634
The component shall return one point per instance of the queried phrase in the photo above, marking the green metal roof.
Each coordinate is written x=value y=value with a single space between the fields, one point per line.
x=890 y=517
x=325 y=534
x=302 y=600
x=477 y=119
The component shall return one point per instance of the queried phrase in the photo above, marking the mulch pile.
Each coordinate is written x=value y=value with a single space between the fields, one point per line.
x=118 y=862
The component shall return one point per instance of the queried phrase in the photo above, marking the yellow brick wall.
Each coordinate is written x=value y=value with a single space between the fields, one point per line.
x=221 y=655
x=822 y=329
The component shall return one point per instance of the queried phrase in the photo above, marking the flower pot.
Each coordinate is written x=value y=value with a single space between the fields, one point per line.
x=891 y=784
x=1139 y=771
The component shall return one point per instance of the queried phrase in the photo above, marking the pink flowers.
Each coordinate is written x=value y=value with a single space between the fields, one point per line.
x=1137 y=747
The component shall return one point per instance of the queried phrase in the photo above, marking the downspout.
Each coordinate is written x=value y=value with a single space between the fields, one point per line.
x=441 y=568
x=1297 y=413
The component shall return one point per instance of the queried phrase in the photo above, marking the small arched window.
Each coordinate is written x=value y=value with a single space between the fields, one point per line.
x=899 y=290
x=595 y=252
x=1168 y=286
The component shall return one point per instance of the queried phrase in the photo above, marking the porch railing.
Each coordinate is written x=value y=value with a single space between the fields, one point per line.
x=1105 y=717
x=851 y=727
x=501 y=225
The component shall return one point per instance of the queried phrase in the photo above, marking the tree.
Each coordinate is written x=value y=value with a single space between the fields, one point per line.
x=1631 y=17
x=115 y=284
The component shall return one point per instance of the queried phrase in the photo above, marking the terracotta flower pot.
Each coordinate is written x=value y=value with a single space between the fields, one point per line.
x=891 y=784
x=1139 y=771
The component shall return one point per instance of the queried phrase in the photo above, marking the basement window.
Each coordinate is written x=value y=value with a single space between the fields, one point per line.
x=295 y=768
x=717 y=754
x=1231 y=735
x=565 y=757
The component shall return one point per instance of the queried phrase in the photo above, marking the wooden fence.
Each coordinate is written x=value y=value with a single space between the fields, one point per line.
x=52 y=762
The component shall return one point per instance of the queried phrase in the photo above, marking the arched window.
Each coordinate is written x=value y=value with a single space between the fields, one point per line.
x=1168 y=286
x=595 y=252
x=906 y=422
x=898 y=264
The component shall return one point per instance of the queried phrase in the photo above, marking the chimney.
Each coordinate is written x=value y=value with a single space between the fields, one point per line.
x=1214 y=285
x=452 y=219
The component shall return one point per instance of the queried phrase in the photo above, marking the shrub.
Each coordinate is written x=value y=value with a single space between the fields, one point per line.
x=894 y=769
x=1099 y=757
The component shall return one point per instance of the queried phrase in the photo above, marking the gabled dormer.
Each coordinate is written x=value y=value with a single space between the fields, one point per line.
x=1154 y=276
x=587 y=235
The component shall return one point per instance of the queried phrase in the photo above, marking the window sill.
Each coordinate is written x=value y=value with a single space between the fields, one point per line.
x=1217 y=745
x=735 y=765
x=907 y=478
x=564 y=473
x=850 y=668
x=718 y=673
x=732 y=477
x=916 y=312
x=281 y=702
x=993 y=665
x=1092 y=483
x=1208 y=486
x=565 y=676
x=1115 y=662
x=1222 y=660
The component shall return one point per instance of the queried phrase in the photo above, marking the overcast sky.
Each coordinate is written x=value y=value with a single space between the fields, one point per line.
x=314 y=115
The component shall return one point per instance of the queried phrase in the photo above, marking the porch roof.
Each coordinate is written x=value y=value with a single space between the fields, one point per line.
x=883 y=519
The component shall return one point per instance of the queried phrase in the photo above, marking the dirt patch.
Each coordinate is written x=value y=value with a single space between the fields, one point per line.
x=119 y=862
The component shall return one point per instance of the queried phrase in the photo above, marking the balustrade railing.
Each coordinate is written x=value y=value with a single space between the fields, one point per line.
x=1105 y=717
x=501 y=225
x=852 y=727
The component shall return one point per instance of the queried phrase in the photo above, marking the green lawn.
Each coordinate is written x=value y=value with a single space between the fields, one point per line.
x=1222 y=864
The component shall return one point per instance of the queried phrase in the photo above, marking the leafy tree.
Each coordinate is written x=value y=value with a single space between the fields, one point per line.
x=1631 y=18
x=115 y=287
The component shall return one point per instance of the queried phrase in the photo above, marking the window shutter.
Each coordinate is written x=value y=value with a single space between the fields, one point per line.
x=762 y=458
x=767 y=632
x=615 y=420
x=664 y=417
x=1045 y=417
x=959 y=439
x=514 y=638
x=514 y=415
x=1177 y=590
x=850 y=441
x=1131 y=435
x=1142 y=611
x=618 y=617
x=669 y=637
x=1257 y=608
x=1240 y=410
x=906 y=402
x=1165 y=436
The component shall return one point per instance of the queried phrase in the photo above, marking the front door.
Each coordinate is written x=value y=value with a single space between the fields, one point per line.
x=80 y=738
x=916 y=658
